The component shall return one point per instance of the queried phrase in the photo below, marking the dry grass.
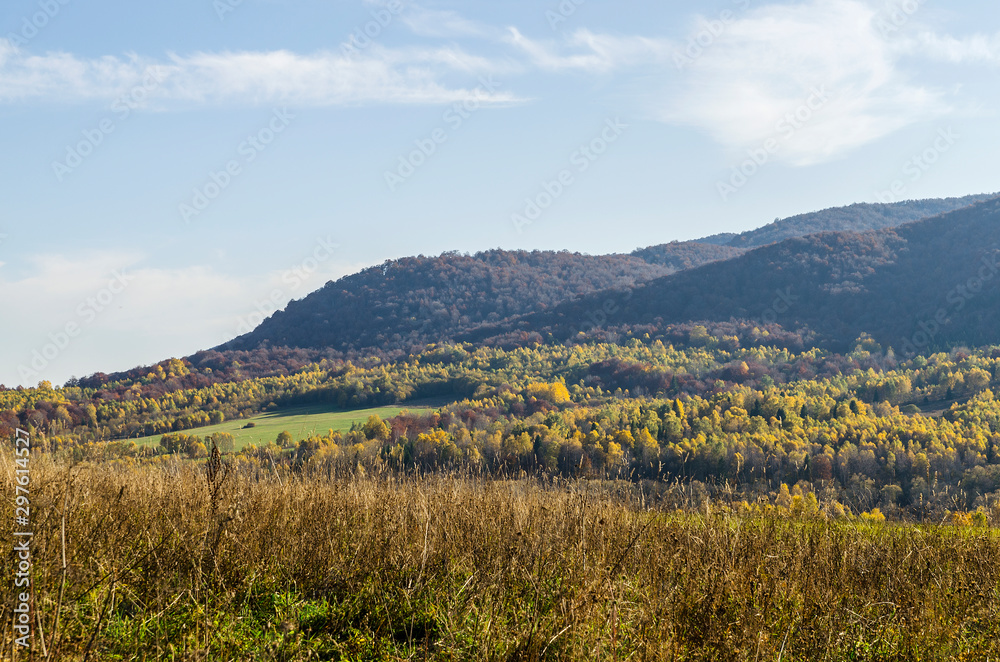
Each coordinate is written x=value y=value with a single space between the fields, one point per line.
x=298 y=568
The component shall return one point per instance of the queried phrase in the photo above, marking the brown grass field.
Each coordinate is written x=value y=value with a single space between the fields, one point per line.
x=355 y=567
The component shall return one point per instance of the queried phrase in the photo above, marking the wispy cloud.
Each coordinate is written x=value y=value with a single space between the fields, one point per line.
x=757 y=67
x=445 y=24
x=765 y=65
x=752 y=71
x=593 y=53
x=379 y=75
x=126 y=312
x=975 y=49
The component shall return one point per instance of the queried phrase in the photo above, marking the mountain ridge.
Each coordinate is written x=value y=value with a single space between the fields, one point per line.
x=925 y=284
x=407 y=303
x=858 y=217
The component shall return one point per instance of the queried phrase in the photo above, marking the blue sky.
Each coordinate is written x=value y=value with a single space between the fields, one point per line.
x=171 y=171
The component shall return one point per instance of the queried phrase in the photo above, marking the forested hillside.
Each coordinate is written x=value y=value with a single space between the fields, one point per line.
x=924 y=285
x=720 y=416
x=410 y=302
x=403 y=305
x=681 y=255
x=859 y=217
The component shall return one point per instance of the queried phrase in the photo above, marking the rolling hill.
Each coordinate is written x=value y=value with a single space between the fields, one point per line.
x=927 y=284
x=404 y=304
x=859 y=217
x=414 y=301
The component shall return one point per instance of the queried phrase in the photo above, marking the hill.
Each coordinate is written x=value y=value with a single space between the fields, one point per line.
x=414 y=301
x=926 y=284
x=405 y=304
x=859 y=217
x=681 y=255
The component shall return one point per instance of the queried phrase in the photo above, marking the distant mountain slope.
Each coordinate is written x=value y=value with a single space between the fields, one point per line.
x=681 y=255
x=926 y=284
x=722 y=239
x=859 y=217
x=419 y=300
x=405 y=304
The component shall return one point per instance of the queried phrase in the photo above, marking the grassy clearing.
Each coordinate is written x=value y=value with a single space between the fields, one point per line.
x=301 y=422
x=302 y=568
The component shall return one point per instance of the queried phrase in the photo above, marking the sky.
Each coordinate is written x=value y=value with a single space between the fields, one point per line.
x=173 y=172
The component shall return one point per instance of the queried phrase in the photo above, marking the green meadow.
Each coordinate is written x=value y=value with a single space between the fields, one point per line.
x=300 y=422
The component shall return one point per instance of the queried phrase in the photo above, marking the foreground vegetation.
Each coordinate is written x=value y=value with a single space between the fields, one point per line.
x=281 y=566
x=917 y=439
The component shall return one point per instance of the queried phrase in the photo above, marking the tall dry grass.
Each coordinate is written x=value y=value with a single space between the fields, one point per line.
x=311 y=567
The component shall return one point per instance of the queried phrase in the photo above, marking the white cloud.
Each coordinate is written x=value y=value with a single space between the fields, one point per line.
x=748 y=73
x=592 y=53
x=436 y=23
x=975 y=49
x=763 y=66
x=147 y=315
x=376 y=75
